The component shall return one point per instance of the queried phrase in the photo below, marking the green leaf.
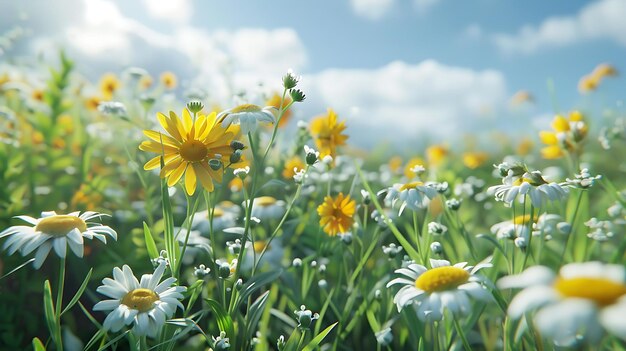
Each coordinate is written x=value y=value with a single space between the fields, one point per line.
x=194 y=291
x=224 y=322
x=492 y=240
x=255 y=313
x=256 y=283
x=17 y=268
x=150 y=245
x=318 y=339
x=51 y=321
x=38 y=345
x=79 y=293
x=415 y=256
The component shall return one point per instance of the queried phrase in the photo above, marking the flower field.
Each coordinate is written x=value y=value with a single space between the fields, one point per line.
x=135 y=217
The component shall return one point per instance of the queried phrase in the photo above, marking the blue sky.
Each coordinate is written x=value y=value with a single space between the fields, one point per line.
x=436 y=67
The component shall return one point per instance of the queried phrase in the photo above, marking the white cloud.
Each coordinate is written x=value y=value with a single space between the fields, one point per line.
x=473 y=32
x=423 y=5
x=178 y=11
x=401 y=99
x=602 y=19
x=371 y=9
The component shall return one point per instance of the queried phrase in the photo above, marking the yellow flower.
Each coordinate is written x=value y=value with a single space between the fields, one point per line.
x=474 y=160
x=145 y=82
x=92 y=103
x=37 y=95
x=327 y=133
x=560 y=124
x=521 y=97
x=189 y=147
x=604 y=70
x=524 y=147
x=408 y=169
x=294 y=162
x=109 y=85
x=336 y=214
x=275 y=102
x=395 y=163
x=436 y=154
x=168 y=79
x=588 y=84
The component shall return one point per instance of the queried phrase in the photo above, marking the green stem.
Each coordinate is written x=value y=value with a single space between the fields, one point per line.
x=459 y=330
x=59 y=303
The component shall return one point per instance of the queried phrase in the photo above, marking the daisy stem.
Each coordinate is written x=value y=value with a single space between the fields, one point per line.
x=530 y=237
x=59 y=306
x=211 y=212
x=282 y=221
x=416 y=231
x=571 y=221
x=190 y=214
x=281 y=112
x=459 y=330
x=143 y=343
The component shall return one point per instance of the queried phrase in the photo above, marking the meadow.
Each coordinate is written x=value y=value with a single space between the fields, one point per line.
x=133 y=217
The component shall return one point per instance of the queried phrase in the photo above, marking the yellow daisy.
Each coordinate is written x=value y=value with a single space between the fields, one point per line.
x=336 y=214
x=475 y=159
x=326 y=131
x=109 y=84
x=274 y=101
x=190 y=147
x=291 y=167
x=168 y=79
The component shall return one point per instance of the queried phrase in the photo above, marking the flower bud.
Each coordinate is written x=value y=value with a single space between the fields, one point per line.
x=237 y=145
x=195 y=106
x=235 y=156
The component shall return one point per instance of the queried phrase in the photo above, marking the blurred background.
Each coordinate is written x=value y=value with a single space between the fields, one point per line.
x=426 y=70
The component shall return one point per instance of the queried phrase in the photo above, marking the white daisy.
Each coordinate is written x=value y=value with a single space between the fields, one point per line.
x=248 y=116
x=441 y=287
x=273 y=256
x=224 y=216
x=531 y=184
x=518 y=227
x=53 y=230
x=577 y=304
x=414 y=195
x=267 y=207
x=145 y=304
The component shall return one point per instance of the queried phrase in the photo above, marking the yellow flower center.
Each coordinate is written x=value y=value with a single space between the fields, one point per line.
x=522 y=219
x=259 y=245
x=441 y=279
x=218 y=212
x=411 y=185
x=193 y=151
x=60 y=225
x=246 y=108
x=265 y=201
x=602 y=291
x=140 y=299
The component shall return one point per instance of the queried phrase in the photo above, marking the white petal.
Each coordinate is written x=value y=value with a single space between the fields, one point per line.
x=439 y=263
x=156 y=277
x=106 y=305
x=164 y=285
x=565 y=320
x=131 y=282
x=612 y=318
x=41 y=254
x=530 y=299
x=60 y=246
x=531 y=276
